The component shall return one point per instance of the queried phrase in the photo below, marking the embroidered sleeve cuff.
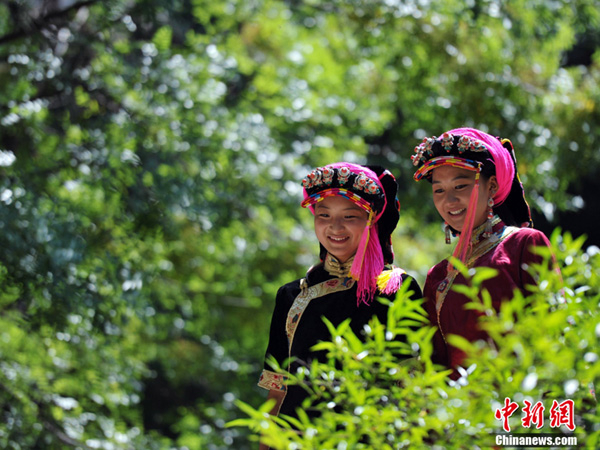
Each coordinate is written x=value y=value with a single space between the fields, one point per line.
x=271 y=380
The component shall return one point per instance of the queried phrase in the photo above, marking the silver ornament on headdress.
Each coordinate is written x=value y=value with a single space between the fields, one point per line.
x=328 y=175
x=343 y=175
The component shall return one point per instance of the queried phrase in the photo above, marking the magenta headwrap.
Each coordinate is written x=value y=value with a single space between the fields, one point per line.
x=365 y=188
x=505 y=168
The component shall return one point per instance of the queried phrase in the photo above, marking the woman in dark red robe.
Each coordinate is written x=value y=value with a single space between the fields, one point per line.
x=477 y=191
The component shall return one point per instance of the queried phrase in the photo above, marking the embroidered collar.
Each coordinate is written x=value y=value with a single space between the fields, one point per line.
x=336 y=268
x=501 y=233
x=479 y=233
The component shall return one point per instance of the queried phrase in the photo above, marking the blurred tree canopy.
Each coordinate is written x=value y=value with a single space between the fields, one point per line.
x=150 y=158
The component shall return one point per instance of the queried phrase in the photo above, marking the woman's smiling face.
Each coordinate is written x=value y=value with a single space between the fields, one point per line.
x=339 y=224
x=452 y=188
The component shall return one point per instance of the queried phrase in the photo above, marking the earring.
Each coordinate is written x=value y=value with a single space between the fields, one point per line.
x=490 y=216
x=447 y=230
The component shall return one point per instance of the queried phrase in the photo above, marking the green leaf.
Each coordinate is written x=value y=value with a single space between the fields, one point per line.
x=162 y=38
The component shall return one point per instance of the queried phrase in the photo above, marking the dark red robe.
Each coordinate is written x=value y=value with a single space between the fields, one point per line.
x=511 y=257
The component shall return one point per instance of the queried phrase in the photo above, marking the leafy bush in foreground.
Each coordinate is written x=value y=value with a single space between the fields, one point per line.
x=372 y=396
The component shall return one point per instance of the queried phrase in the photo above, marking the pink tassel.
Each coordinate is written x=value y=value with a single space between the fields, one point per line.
x=368 y=264
x=464 y=242
x=357 y=264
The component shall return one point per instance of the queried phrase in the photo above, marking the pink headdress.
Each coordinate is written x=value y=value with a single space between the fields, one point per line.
x=505 y=166
x=475 y=150
x=364 y=187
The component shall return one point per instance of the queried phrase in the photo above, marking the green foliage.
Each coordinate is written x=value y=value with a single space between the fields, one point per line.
x=544 y=348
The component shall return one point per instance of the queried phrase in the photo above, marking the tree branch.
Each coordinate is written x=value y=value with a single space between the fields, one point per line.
x=41 y=23
x=37 y=405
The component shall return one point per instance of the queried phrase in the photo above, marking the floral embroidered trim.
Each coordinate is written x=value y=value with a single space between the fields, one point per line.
x=271 y=380
x=304 y=298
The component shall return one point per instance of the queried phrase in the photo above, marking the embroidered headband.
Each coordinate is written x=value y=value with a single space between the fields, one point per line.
x=431 y=164
x=320 y=196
